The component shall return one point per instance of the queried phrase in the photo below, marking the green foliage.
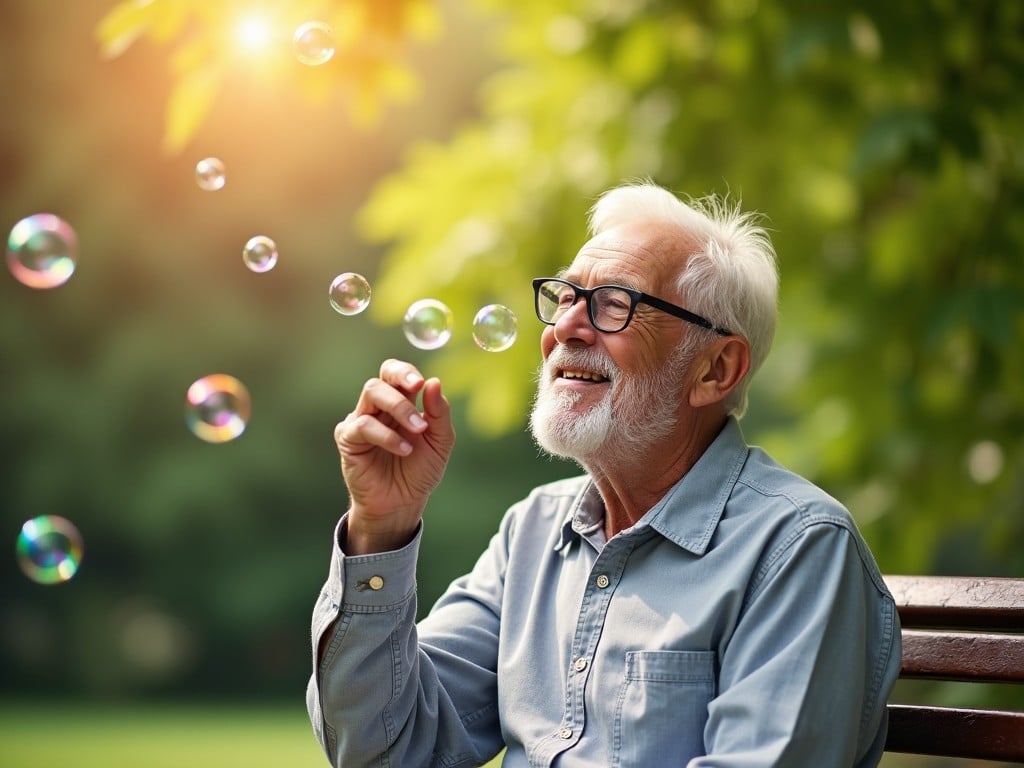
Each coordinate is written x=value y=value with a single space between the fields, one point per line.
x=884 y=143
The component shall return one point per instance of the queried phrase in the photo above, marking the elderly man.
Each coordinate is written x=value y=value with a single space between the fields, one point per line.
x=686 y=602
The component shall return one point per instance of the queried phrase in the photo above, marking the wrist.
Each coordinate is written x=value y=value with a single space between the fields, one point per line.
x=361 y=536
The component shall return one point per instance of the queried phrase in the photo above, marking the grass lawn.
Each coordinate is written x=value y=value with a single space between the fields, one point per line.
x=88 y=735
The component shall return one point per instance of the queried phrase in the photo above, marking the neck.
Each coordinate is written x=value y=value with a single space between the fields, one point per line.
x=630 y=486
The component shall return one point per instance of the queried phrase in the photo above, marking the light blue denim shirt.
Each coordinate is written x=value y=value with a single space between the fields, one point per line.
x=741 y=622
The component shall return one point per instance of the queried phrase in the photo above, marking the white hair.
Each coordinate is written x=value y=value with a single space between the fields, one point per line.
x=732 y=278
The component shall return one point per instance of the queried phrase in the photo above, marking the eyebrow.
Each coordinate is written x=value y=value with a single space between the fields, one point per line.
x=563 y=274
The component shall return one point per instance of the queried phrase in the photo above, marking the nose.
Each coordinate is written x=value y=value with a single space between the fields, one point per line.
x=574 y=324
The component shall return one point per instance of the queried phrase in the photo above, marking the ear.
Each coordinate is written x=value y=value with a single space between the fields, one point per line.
x=721 y=368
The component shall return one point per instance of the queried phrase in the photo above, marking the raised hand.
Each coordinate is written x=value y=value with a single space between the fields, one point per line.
x=392 y=456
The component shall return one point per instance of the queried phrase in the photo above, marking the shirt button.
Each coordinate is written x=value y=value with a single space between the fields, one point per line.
x=580 y=664
x=565 y=733
x=603 y=581
x=375 y=583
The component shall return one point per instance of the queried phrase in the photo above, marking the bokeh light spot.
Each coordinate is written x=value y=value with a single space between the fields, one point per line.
x=253 y=33
x=985 y=461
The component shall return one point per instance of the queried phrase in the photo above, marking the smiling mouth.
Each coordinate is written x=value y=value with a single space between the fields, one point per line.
x=590 y=376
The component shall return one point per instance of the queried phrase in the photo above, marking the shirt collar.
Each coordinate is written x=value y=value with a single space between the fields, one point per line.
x=586 y=515
x=689 y=513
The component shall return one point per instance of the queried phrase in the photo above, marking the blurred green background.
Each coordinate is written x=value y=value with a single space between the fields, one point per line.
x=451 y=150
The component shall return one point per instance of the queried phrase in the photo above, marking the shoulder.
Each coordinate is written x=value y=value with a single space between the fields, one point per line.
x=794 y=514
x=773 y=489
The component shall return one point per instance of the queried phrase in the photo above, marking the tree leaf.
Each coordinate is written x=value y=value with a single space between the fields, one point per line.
x=123 y=25
x=190 y=102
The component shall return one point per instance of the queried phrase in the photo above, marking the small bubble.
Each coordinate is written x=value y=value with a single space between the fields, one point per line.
x=349 y=294
x=217 y=408
x=494 y=328
x=49 y=549
x=42 y=251
x=260 y=253
x=313 y=43
x=428 y=324
x=210 y=174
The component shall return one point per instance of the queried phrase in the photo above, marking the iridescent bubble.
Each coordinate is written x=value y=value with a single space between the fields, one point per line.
x=260 y=253
x=350 y=293
x=494 y=328
x=42 y=251
x=313 y=43
x=428 y=324
x=49 y=549
x=217 y=408
x=210 y=174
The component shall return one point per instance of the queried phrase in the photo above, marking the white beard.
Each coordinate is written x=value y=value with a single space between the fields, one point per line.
x=634 y=414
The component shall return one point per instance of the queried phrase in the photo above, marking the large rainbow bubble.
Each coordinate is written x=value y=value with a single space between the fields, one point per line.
x=42 y=251
x=495 y=328
x=349 y=293
x=217 y=408
x=428 y=324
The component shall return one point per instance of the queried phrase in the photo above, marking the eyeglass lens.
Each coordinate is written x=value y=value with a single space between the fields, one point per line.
x=609 y=307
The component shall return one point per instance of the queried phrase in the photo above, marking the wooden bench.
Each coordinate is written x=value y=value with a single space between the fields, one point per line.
x=960 y=629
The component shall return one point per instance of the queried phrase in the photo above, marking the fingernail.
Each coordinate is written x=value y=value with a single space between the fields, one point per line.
x=411 y=378
x=405 y=448
x=417 y=421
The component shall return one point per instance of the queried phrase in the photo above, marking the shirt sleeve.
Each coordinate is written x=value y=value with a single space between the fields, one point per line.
x=805 y=676
x=382 y=692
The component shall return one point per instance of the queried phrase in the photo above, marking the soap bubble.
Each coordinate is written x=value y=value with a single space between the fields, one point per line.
x=428 y=324
x=350 y=293
x=313 y=43
x=210 y=174
x=217 y=408
x=494 y=328
x=49 y=549
x=260 y=253
x=42 y=251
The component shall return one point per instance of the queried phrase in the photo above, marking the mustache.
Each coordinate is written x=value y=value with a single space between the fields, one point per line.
x=582 y=359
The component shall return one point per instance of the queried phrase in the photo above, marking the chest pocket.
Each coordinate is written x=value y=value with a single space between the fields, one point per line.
x=662 y=708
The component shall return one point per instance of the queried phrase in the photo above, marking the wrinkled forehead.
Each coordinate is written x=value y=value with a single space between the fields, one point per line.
x=637 y=255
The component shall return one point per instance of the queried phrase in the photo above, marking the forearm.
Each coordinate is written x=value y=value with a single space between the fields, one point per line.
x=374 y=691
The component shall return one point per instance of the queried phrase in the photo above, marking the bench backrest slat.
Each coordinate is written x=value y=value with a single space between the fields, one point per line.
x=967 y=656
x=978 y=734
x=959 y=602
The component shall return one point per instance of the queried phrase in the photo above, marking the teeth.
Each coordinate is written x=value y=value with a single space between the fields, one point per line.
x=585 y=375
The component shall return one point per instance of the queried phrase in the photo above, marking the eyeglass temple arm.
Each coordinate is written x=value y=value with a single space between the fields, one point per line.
x=684 y=314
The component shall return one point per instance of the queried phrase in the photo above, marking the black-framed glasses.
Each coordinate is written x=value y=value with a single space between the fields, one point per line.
x=610 y=307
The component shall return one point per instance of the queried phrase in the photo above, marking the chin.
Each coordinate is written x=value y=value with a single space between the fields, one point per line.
x=561 y=431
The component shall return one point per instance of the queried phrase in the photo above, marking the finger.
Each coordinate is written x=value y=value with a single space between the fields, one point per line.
x=380 y=397
x=358 y=434
x=401 y=374
x=435 y=404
